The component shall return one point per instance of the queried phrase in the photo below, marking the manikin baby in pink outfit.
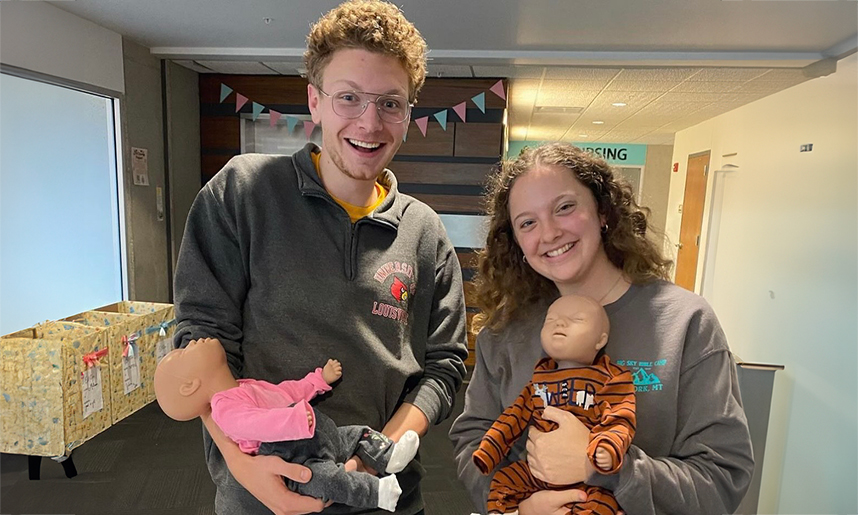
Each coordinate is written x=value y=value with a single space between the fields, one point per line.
x=264 y=418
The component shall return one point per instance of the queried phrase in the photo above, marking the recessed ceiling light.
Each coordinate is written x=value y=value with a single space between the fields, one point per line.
x=267 y=20
x=619 y=104
x=598 y=122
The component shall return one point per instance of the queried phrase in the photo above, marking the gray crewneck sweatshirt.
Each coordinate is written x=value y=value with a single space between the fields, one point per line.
x=272 y=266
x=692 y=450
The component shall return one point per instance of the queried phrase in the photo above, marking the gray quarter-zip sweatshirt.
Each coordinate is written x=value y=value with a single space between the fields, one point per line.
x=272 y=266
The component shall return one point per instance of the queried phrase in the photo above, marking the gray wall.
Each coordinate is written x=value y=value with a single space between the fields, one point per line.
x=142 y=120
x=656 y=183
x=183 y=140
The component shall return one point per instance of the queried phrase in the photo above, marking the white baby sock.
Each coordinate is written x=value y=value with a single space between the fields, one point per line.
x=388 y=492
x=403 y=452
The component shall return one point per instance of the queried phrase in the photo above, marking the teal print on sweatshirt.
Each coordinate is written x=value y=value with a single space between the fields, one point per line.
x=644 y=374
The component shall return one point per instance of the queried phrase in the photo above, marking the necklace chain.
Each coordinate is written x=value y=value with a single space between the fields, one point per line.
x=619 y=276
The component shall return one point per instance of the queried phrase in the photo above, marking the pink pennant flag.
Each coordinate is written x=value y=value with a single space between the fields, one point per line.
x=497 y=89
x=460 y=110
x=275 y=117
x=240 y=100
x=308 y=128
x=422 y=123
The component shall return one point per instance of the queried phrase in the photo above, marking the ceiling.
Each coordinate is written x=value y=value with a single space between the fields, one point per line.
x=674 y=63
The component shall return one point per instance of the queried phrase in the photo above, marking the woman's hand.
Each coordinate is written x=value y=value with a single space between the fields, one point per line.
x=559 y=457
x=262 y=476
x=550 y=502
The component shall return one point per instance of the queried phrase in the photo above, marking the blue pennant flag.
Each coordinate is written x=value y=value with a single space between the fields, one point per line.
x=480 y=100
x=291 y=122
x=257 y=109
x=441 y=116
x=224 y=92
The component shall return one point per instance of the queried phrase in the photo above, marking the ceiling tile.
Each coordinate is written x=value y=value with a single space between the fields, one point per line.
x=523 y=90
x=238 y=67
x=580 y=73
x=565 y=98
x=634 y=100
x=656 y=74
x=573 y=85
x=792 y=75
x=706 y=87
x=762 y=86
x=706 y=98
x=640 y=85
x=727 y=74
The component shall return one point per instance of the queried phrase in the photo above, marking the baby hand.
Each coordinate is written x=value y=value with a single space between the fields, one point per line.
x=310 y=419
x=603 y=458
x=333 y=370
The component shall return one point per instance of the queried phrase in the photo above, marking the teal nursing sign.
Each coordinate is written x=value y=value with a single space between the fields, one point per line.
x=614 y=153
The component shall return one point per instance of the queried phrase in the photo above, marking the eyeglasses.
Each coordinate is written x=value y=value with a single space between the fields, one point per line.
x=352 y=104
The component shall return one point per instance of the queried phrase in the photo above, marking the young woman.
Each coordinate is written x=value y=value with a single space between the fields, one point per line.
x=561 y=223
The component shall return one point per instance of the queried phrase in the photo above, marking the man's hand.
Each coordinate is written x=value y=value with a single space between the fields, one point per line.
x=333 y=370
x=262 y=476
x=560 y=456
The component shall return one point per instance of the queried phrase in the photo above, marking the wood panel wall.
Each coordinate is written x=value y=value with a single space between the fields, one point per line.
x=446 y=169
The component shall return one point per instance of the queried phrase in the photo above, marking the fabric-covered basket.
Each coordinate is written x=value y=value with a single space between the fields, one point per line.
x=55 y=386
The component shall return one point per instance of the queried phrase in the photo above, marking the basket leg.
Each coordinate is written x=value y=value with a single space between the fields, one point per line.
x=34 y=464
x=68 y=465
x=69 y=468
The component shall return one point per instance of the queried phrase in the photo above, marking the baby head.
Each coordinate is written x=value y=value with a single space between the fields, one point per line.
x=576 y=328
x=186 y=378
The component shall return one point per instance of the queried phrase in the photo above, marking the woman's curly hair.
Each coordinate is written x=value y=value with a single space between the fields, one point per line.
x=372 y=25
x=505 y=283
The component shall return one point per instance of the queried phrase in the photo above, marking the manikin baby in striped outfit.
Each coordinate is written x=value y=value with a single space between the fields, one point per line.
x=578 y=377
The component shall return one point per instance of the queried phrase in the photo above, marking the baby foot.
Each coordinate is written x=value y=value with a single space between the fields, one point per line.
x=403 y=452
x=388 y=492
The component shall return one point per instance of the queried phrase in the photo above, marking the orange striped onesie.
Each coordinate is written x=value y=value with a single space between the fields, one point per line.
x=602 y=396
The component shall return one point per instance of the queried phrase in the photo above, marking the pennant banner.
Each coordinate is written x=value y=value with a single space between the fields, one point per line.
x=291 y=122
x=422 y=124
x=480 y=100
x=257 y=110
x=240 y=100
x=308 y=128
x=497 y=89
x=441 y=116
x=224 y=92
x=460 y=110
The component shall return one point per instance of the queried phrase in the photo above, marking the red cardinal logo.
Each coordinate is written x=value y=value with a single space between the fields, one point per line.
x=399 y=290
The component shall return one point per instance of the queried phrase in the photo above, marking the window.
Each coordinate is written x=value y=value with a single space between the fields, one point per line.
x=60 y=208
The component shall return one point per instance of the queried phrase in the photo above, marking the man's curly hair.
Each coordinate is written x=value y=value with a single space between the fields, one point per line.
x=372 y=25
x=505 y=283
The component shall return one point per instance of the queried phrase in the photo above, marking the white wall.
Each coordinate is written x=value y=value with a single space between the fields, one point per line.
x=40 y=37
x=781 y=272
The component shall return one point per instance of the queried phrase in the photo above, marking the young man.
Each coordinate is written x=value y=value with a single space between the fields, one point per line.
x=288 y=260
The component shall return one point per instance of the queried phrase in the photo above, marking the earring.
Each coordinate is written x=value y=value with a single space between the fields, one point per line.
x=605 y=229
x=524 y=258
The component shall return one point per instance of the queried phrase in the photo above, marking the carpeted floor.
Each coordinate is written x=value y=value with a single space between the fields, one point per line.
x=149 y=464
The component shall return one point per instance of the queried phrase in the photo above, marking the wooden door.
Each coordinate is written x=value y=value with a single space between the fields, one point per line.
x=692 y=220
